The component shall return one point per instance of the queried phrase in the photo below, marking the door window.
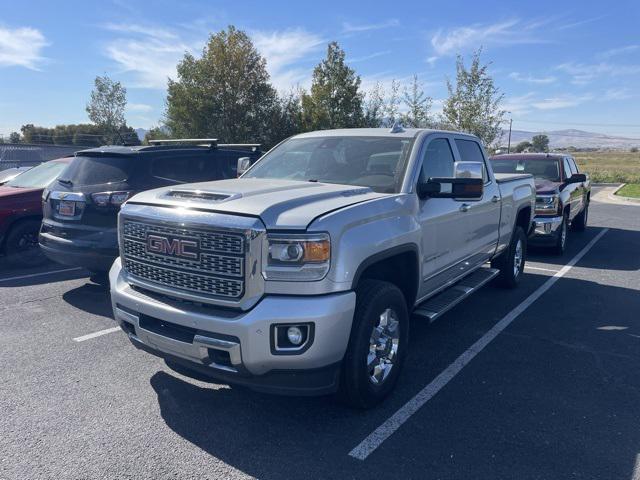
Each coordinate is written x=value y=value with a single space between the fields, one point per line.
x=184 y=170
x=567 y=168
x=437 y=160
x=573 y=166
x=470 y=151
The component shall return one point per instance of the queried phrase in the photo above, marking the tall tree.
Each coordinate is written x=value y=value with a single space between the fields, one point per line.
x=540 y=143
x=335 y=100
x=474 y=101
x=522 y=146
x=224 y=94
x=392 y=105
x=106 y=106
x=14 y=137
x=418 y=106
x=374 y=107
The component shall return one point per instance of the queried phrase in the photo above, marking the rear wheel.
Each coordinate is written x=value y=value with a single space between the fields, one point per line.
x=377 y=345
x=511 y=262
x=22 y=247
x=579 y=223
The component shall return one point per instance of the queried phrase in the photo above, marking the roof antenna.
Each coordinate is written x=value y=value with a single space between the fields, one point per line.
x=396 y=127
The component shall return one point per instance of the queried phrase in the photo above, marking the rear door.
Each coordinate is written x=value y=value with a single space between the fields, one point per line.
x=482 y=216
x=573 y=189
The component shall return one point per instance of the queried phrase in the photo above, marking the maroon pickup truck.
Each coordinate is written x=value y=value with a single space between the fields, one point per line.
x=21 y=212
x=562 y=194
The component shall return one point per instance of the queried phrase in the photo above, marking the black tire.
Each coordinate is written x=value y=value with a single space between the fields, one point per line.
x=374 y=299
x=21 y=246
x=563 y=233
x=579 y=223
x=511 y=262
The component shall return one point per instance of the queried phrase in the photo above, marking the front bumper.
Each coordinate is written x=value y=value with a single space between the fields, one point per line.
x=195 y=335
x=546 y=229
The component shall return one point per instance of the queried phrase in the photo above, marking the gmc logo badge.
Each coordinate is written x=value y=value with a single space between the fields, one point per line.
x=175 y=247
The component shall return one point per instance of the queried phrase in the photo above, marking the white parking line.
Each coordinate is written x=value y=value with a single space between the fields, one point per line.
x=541 y=269
x=32 y=275
x=96 y=334
x=384 y=431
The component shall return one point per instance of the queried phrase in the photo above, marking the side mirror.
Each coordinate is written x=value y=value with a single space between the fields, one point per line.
x=577 y=178
x=467 y=183
x=243 y=165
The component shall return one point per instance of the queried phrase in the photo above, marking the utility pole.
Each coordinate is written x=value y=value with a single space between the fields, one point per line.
x=509 y=144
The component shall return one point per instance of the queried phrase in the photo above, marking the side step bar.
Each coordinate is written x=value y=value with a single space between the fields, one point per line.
x=432 y=308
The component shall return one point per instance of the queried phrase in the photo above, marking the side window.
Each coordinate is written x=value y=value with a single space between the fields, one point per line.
x=572 y=164
x=437 y=160
x=184 y=170
x=470 y=151
x=566 y=167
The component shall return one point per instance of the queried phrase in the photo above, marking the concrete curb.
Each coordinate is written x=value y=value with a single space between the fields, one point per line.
x=613 y=195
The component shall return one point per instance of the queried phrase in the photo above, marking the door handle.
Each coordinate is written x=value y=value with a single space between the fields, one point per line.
x=495 y=199
x=465 y=207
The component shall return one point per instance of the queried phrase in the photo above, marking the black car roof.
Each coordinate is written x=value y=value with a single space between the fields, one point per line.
x=143 y=149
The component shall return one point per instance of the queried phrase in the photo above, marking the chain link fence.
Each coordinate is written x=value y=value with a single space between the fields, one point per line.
x=26 y=155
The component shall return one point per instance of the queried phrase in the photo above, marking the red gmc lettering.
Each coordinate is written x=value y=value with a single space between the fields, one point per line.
x=176 y=247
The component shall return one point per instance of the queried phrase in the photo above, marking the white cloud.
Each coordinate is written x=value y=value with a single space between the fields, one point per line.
x=356 y=28
x=139 y=107
x=584 y=73
x=368 y=57
x=561 y=101
x=618 y=94
x=518 y=105
x=149 y=53
x=21 y=47
x=285 y=49
x=531 y=79
x=459 y=39
x=618 y=51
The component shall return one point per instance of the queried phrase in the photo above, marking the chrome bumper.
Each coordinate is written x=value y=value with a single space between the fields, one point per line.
x=547 y=226
x=246 y=336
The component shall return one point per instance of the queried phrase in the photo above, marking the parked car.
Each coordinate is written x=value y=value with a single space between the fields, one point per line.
x=11 y=173
x=81 y=207
x=562 y=194
x=21 y=212
x=300 y=276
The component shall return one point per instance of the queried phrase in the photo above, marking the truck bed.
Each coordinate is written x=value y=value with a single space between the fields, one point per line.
x=508 y=177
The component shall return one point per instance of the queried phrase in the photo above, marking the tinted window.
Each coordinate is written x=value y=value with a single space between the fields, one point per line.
x=229 y=166
x=38 y=177
x=98 y=170
x=567 y=168
x=376 y=162
x=470 y=151
x=572 y=164
x=438 y=159
x=546 y=167
x=184 y=170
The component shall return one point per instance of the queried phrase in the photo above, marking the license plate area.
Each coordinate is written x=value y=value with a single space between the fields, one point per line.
x=67 y=208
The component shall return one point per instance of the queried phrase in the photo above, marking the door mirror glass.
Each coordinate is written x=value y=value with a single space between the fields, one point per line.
x=467 y=170
x=243 y=165
x=577 y=178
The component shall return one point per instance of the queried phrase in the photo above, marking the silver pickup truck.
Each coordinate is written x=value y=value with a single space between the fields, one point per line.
x=301 y=276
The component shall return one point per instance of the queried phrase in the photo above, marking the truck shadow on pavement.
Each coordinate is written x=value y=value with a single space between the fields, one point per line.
x=91 y=298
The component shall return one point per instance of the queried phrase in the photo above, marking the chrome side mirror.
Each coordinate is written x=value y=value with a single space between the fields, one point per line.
x=468 y=170
x=243 y=165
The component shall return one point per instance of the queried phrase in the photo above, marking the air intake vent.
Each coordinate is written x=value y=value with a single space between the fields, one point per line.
x=196 y=195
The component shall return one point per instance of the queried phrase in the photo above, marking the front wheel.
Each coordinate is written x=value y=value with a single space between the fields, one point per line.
x=377 y=345
x=511 y=262
x=561 y=242
x=22 y=247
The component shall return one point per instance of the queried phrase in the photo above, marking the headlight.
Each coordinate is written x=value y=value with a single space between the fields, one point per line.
x=547 y=204
x=304 y=257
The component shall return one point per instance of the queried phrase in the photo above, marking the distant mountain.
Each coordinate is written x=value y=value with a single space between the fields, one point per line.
x=573 y=138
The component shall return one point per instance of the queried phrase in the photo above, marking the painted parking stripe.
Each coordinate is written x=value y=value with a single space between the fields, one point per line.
x=384 y=431
x=541 y=269
x=96 y=334
x=40 y=274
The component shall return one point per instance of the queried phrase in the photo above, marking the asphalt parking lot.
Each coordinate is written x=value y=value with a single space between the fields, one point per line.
x=491 y=390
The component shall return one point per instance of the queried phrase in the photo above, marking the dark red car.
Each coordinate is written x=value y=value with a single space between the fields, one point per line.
x=21 y=212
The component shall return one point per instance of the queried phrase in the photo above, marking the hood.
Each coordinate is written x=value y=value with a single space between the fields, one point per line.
x=544 y=186
x=281 y=204
x=17 y=192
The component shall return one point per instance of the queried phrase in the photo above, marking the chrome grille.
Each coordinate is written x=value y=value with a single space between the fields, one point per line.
x=218 y=271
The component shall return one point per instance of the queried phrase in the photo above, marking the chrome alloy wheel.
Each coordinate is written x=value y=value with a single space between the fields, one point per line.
x=517 y=259
x=383 y=347
x=563 y=234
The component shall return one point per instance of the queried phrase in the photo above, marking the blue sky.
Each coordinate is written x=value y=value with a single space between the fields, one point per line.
x=571 y=64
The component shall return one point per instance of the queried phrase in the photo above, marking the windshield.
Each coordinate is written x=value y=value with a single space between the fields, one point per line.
x=376 y=162
x=38 y=177
x=97 y=170
x=546 y=168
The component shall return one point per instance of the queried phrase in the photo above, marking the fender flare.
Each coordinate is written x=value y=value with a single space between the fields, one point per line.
x=383 y=255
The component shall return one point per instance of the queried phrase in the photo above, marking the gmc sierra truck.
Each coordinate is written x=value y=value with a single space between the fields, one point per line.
x=301 y=276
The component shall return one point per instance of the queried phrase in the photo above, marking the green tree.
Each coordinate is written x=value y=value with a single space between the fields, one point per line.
x=474 y=101
x=224 y=94
x=106 y=106
x=14 y=137
x=522 y=146
x=374 y=107
x=160 y=132
x=418 y=106
x=392 y=105
x=540 y=143
x=335 y=100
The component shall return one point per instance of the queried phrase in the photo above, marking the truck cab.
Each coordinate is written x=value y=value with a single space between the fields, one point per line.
x=300 y=277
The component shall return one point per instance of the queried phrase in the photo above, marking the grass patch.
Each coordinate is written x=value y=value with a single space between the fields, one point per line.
x=629 y=190
x=610 y=167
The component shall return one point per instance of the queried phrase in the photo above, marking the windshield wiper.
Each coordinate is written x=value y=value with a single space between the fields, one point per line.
x=65 y=182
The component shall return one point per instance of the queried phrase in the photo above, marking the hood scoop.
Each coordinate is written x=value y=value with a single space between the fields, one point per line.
x=197 y=195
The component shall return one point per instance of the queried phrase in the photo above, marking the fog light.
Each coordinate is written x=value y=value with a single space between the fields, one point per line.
x=294 y=334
